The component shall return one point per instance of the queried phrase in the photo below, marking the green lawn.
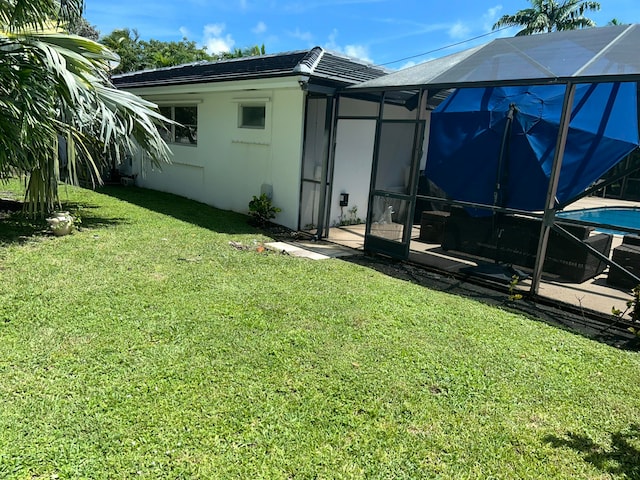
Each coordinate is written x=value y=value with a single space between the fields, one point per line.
x=145 y=346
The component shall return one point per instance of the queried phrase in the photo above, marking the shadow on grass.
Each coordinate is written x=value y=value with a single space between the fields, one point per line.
x=18 y=227
x=15 y=227
x=621 y=457
x=498 y=296
x=182 y=208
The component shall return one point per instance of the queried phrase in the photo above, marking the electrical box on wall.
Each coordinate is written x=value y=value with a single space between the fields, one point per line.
x=344 y=199
x=267 y=189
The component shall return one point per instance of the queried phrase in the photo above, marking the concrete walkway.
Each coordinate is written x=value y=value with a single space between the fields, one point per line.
x=318 y=250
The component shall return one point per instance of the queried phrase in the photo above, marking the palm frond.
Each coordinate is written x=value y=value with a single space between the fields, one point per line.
x=55 y=86
x=550 y=15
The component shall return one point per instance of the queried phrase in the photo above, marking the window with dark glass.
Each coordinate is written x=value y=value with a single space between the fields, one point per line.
x=252 y=116
x=186 y=132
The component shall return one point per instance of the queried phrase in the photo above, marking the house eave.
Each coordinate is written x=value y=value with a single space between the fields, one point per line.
x=266 y=83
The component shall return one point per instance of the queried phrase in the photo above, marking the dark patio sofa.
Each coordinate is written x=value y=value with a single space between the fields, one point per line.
x=626 y=255
x=515 y=241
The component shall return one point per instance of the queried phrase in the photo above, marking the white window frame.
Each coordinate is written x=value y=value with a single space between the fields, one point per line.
x=243 y=105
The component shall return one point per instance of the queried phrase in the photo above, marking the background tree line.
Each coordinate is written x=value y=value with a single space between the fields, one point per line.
x=136 y=54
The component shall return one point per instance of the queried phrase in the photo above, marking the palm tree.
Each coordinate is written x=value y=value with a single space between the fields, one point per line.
x=55 y=91
x=550 y=15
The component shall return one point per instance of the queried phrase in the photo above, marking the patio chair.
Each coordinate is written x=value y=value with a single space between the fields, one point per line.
x=515 y=242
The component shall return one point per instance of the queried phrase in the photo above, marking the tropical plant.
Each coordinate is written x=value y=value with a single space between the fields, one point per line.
x=632 y=310
x=126 y=44
x=514 y=294
x=58 y=108
x=549 y=16
x=137 y=54
x=242 y=52
x=351 y=218
x=261 y=209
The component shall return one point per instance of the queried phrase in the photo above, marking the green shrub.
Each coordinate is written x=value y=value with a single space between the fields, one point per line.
x=261 y=209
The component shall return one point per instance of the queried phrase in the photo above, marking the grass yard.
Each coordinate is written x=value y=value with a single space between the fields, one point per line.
x=145 y=346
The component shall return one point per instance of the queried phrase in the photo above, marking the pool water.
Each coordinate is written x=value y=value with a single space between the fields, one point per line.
x=615 y=216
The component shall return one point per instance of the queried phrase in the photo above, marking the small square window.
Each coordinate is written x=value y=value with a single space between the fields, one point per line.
x=252 y=116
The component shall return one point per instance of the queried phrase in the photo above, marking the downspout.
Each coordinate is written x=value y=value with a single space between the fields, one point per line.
x=548 y=218
x=303 y=81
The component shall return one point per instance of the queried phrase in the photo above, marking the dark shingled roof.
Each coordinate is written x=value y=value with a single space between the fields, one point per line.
x=318 y=64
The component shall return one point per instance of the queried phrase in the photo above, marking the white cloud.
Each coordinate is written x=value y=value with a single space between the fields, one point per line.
x=459 y=31
x=261 y=27
x=491 y=16
x=214 y=29
x=410 y=63
x=331 y=43
x=184 y=31
x=304 y=36
x=493 y=12
x=358 y=51
x=413 y=63
x=215 y=40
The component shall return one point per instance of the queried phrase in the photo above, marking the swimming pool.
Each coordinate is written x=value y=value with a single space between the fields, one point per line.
x=623 y=217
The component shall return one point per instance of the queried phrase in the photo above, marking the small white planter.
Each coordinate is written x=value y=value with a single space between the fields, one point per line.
x=60 y=223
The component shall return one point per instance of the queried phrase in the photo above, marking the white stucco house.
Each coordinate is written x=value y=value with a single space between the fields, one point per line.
x=263 y=124
x=335 y=141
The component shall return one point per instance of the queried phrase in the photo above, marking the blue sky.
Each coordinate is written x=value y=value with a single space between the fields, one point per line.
x=378 y=31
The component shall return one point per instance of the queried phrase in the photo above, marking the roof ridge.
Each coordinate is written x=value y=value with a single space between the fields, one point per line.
x=211 y=62
x=310 y=61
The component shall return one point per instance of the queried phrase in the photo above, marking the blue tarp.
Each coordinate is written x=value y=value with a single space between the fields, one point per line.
x=468 y=133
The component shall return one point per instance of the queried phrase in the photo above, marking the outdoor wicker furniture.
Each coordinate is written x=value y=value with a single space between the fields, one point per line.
x=626 y=255
x=432 y=225
x=512 y=239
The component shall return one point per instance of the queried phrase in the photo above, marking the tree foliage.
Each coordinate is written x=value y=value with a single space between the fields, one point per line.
x=57 y=102
x=549 y=16
x=80 y=26
x=242 y=52
x=136 y=54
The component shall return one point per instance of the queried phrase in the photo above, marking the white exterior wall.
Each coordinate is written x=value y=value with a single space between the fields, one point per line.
x=230 y=164
x=355 y=139
x=352 y=169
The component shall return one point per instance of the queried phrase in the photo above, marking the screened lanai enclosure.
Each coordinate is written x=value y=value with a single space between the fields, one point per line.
x=480 y=151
